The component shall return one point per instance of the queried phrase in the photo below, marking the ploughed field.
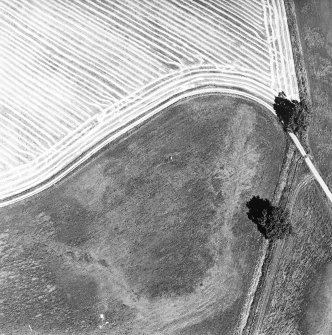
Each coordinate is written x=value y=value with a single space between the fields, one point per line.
x=151 y=233
x=73 y=73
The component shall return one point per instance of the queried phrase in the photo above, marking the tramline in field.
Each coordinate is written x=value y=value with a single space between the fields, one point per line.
x=75 y=72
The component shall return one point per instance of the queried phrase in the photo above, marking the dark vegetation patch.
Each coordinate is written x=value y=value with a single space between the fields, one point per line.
x=146 y=221
x=178 y=258
x=72 y=224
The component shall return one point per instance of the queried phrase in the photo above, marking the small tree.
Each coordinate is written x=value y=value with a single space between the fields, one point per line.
x=271 y=221
x=292 y=114
x=284 y=109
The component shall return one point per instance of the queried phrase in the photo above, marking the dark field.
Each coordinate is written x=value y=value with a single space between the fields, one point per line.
x=152 y=233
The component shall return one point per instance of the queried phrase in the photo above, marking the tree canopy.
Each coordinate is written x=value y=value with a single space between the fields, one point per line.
x=271 y=221
x=292 y=114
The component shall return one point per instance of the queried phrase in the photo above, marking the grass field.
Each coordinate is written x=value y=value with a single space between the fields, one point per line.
x=314 y=20
x=152 y=233
x=300 y=302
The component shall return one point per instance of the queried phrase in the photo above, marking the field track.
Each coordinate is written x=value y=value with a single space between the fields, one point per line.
x=77 y=74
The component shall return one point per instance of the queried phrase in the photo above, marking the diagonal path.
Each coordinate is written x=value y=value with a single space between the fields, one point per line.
x=311 y=167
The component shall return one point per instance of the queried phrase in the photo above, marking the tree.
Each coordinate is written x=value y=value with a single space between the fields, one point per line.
x=272 y=221
x=292 y=114
x=284 y=109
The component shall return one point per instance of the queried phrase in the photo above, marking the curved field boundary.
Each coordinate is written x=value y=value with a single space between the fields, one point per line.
x=47 y=172
x=166 y=48
x=63 y=62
